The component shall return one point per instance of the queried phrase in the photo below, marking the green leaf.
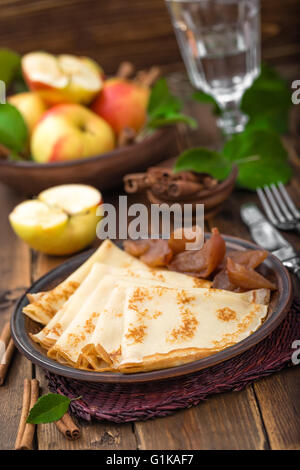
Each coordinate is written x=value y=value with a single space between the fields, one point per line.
x=13 y=130
x=202 y=160
x=161 y=101
x=206 y=98
x=9 y=65
x=164 y=108
x=267 y=101
x=49 y=408
x=260 y=156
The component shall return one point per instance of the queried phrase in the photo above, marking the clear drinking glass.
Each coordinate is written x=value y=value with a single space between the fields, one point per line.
x=219 y=42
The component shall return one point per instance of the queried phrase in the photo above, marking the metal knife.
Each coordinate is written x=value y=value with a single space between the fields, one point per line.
x=268 y=237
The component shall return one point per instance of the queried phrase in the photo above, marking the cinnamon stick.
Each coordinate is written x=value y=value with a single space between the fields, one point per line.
x=68 y=428
x=187 y=176
x=183 y=188
x=136 y=182
x=159 y=188
x=125 y=70
x=157 y=174
x=26 y=430
x=6 y=351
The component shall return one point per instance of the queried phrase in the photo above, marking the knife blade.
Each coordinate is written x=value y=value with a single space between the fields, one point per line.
x=268 y=237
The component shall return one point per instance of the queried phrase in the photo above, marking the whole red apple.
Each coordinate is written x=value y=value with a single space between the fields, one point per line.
x=122 y=103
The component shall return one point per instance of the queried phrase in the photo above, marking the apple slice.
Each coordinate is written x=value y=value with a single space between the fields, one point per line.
x=62 y=79
x=71 y=198
x=61 y=221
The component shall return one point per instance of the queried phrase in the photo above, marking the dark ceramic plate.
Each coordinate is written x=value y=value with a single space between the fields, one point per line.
x=22 y=325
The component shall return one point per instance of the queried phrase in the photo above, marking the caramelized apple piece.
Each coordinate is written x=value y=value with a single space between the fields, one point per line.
x=221 y=281
x=136 y=247
x=188 y=235
x=204 y=261
x=158 y=254
x=248 y=258
x=246 y=278
x=152 y=252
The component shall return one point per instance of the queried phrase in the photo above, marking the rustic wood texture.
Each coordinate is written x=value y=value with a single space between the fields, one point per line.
x=15 y=278
x=264 y=415
x=136 y=30
x=229 y=421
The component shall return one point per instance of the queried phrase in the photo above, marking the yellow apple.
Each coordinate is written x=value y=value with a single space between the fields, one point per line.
x=30 y=105
x=68 y=132
x=63 y=78
x=61 y=221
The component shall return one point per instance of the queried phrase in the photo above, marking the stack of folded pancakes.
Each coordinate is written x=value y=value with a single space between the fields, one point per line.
x=116 y=314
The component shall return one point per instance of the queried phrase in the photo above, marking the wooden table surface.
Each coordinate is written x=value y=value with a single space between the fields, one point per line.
x=265 y=415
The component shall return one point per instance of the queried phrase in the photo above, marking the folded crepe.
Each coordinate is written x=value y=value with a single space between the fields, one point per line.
x=61 y=320
x=44 y=305
x=129 y=328
x=169 y=327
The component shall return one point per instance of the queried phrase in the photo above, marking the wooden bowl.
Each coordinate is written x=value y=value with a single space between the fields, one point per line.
x=103 y=171
x=212 y=199
x=22 y=326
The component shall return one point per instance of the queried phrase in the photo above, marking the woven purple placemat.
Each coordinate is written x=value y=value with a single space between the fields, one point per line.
x=135 y=402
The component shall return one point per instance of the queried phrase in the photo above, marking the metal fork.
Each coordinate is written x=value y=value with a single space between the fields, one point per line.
x=279 y=207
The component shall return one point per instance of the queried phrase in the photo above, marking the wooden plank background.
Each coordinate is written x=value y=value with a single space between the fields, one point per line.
x=138 y=30
x=265 y=414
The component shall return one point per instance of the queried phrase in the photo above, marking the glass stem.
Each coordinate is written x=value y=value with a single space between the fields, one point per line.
x=232 y=120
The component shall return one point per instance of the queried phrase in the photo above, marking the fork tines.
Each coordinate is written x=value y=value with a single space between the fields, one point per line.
x=278 y=205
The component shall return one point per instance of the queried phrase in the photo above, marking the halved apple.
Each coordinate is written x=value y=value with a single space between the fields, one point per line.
x=63 y=78
x=61 y=221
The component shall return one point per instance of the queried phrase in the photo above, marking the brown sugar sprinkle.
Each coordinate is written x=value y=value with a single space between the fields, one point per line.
x=187 y=328
x=156 y=314
x=184 y=298
x=89 y=324
x=137 y=334
x=226 y=314
x=160 y=290
x=53 y=297
x=74 y=340
x=142 y=314
x=139 y=295
x=56 y=329
x=248 y=318
x=157 y=275
x=197 y=282
x=231 y=338
x=133 y=274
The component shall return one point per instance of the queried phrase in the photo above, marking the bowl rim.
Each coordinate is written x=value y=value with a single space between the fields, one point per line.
x=81 y=161
x=222 y=184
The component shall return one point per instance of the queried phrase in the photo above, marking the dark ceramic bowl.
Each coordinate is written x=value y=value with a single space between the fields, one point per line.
x=103 y=171
x=21 y=325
